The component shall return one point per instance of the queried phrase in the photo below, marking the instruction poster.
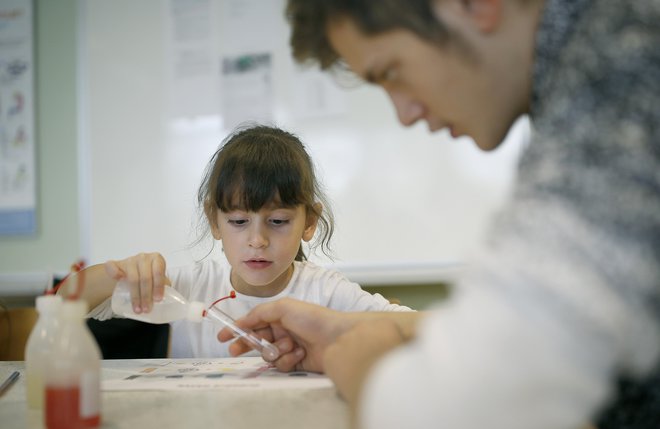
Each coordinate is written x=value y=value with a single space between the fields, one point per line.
x=17 y=142
x=216 y=373
x=247 y=87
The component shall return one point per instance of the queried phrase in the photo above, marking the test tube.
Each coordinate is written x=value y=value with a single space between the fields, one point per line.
x=268 y=351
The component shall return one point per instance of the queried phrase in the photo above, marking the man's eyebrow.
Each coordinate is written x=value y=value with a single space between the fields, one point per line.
x=370 y=76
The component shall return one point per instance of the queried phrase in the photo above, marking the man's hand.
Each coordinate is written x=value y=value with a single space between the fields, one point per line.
x=300 y=330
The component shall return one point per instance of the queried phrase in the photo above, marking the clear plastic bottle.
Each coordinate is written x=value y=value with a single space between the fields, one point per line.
x=73 y=373
x=174 y=306
x=39 y=348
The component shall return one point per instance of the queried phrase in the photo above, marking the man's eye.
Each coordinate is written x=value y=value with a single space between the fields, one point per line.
x=390 y=74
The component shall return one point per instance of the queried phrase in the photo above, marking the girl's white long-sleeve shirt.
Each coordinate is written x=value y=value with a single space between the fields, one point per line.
x=209 y=280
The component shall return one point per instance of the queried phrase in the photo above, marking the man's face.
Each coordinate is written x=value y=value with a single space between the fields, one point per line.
x=447 y=86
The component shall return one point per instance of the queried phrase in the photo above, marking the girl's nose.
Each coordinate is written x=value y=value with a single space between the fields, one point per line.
x=408 y=110
x=257 y=238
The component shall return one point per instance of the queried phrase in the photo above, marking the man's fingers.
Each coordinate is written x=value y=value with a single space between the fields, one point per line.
x=291 y=361
x=284 y=345
x=237 y=348
x=224 y=335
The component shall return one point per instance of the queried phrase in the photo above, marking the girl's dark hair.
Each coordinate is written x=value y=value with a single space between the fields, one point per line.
x=254 y=166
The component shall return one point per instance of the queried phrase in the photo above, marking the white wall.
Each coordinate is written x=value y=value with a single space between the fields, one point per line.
x=57 y=242
x=403 y=199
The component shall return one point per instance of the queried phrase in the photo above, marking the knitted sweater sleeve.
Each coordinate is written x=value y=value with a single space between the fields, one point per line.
x=564 y=295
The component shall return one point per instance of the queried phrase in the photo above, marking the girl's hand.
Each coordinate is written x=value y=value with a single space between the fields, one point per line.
x=145 y=273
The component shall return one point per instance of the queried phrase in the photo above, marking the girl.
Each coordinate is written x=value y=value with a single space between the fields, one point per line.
x=260 y=198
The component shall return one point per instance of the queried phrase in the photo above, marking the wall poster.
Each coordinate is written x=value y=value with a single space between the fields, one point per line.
x=17 y=130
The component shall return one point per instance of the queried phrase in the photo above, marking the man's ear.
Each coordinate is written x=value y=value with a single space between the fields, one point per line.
x=312 y=221
x=484 y=14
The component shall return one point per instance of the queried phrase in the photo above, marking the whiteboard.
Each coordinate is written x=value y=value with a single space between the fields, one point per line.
x=405 y=200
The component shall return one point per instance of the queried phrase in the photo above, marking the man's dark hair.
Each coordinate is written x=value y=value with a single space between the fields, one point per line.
x=309 y=20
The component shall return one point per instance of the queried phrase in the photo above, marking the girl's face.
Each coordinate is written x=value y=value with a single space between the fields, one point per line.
x=261 y=246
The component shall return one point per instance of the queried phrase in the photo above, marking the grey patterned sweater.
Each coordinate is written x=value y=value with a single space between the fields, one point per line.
x=596 y=109
x=564 y=296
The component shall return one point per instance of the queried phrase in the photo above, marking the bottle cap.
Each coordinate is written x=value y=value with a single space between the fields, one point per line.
x=48 y=303
x=195 y=311
x=74 y=310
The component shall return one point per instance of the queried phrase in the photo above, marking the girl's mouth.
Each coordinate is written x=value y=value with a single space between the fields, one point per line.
x=258 y=264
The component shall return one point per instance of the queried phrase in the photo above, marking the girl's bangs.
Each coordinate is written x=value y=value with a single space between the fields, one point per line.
x=252 y=189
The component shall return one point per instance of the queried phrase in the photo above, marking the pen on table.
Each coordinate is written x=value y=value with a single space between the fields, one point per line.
x=9 y=382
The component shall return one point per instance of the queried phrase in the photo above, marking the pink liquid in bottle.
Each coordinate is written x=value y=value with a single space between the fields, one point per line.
x=63 y=409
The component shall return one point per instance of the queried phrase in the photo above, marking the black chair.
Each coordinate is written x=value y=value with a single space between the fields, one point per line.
x=130 y=339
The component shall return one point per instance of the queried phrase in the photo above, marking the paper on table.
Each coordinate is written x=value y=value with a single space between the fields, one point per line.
x=199 y=374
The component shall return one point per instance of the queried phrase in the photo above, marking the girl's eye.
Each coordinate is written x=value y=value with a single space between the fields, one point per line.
x=278 y=222
x=237 y=222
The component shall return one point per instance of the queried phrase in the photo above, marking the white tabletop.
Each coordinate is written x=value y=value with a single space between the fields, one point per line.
x=227 y=408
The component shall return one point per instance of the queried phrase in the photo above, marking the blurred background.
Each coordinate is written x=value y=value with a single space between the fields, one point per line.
x=131 y=99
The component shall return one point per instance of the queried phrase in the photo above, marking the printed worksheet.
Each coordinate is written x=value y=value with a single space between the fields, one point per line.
x=189 y=374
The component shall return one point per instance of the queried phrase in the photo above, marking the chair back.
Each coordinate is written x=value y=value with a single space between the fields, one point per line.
x=130 y=339
x=15 y=327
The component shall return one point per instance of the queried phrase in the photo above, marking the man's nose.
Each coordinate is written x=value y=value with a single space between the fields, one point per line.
x=408 y=110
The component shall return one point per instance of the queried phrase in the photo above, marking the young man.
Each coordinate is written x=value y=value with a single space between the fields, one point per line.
x=565 y=294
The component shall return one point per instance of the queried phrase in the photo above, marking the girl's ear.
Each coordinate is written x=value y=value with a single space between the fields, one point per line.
x=312 y=221
x=211 y=213
x=215 y=231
